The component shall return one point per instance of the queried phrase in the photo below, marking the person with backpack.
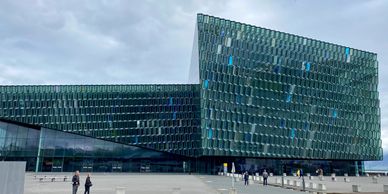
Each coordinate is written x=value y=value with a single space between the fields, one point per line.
x=88 y=184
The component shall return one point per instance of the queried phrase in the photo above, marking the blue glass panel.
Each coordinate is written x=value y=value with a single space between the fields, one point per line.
x=308 y=66
x=334 y=113
x=230 y=60
x=170 y=101
x=289 y=98
x=210 y=133
x=238 y=99
x=222 y=33
x=327 y=55
x=247 y=137
x=174 y=115
x=282 y=123
x=292 y=135
x=276 y=69
x=205 y=84
x=347 y=51
x=306 y=126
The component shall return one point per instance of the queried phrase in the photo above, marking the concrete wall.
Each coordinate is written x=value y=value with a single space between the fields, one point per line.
x=12 y=177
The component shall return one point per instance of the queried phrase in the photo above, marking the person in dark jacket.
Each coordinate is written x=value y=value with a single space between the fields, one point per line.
x=75 y=181
x=301 y=173
x=246 y=178
x=88 y=184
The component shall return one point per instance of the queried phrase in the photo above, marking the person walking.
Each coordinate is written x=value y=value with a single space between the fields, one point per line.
x=246 y=178
x=300 y=173
x=265 y=177
x=88 y=184
x=75 y=181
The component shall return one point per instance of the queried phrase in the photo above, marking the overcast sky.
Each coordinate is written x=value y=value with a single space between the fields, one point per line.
x=126 y=42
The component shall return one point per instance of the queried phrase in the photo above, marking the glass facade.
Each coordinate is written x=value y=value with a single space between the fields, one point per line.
x=50 y=150
x=259 y=97
x=161 y=117
x=271 y=94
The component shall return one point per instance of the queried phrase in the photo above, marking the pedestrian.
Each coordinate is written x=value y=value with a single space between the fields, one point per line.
x=265 y=177
x=75 y=181
x=300 y=173
x=88 y=184
x=246 y=178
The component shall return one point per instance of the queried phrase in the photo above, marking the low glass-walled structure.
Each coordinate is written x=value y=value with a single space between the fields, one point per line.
x=50 y=150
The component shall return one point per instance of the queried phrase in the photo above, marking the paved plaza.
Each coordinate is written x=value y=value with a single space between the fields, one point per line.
x=187 y=184
x=107 y=183
x=221 y=184
x=338 y=186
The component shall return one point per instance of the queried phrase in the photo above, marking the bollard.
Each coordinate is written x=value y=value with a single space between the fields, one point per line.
x=333 y=177
x=271 y=174
x=289 y=182
x=321 y=178
x=357 y=175
x=232 y=191
x=284 y=174
x=176 y=190
x=345 y=174
x=296 y=183
x=347 y=180
x=321 y=187
x=356 y=188
x=120 y=190
x=385 y=187
x=309 y=175
x=283 y=181
x=367 y=174
x=257 y=174
x=313 y=185
x=303 y=184
x=278 y=181
x=374 y=179
x=293 y=174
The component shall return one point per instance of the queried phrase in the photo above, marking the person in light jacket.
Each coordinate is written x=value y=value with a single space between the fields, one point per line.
x=265 y=178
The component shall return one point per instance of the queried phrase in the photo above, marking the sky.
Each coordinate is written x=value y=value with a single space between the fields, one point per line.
x=145 y=41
